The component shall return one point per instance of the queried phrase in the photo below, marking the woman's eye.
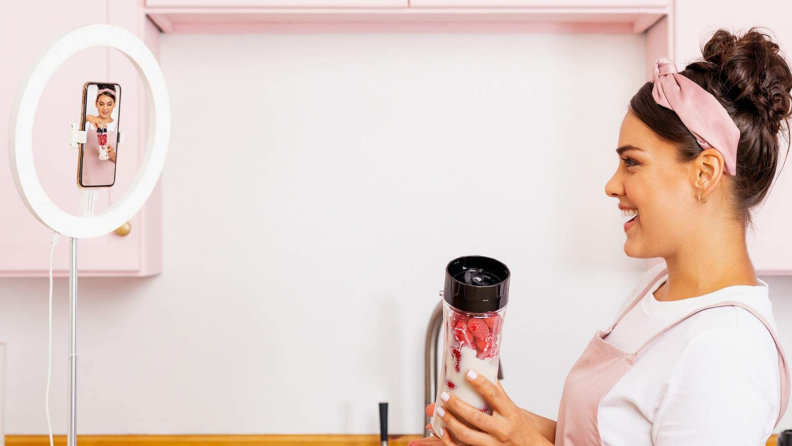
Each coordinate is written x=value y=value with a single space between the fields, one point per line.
x=629 y=162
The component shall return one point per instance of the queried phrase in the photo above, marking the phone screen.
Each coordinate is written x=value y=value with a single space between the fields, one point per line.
x=101 y=112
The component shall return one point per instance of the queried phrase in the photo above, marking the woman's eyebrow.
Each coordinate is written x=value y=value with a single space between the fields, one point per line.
x=628 y=147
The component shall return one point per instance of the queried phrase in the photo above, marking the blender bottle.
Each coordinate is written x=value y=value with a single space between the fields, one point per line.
x=101 y=138
x=475 y=295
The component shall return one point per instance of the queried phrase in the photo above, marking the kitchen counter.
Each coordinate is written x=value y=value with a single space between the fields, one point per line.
x=226 y=440
x=212 y=440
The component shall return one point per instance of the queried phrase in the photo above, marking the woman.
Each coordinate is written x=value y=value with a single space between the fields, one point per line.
x=691 y=357
x=98 y=170
x=105 y=104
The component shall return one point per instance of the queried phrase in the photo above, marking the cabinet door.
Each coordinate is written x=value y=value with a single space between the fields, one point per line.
x=24 y=242
x=770 y=241
x=537 y=3
x=277 y=3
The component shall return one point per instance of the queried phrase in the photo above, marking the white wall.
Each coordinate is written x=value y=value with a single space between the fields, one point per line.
x=316 y=187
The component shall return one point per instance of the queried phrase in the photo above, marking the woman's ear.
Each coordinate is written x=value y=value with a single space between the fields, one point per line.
x=708 y=170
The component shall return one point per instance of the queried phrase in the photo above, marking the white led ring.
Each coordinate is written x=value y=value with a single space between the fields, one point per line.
x=20 y=135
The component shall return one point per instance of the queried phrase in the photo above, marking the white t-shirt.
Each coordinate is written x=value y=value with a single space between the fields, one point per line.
x=712 y=379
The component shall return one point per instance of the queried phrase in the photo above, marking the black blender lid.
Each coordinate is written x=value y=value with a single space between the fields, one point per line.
x=476 y=284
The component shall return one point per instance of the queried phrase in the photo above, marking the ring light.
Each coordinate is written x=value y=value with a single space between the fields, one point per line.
x=21 y=132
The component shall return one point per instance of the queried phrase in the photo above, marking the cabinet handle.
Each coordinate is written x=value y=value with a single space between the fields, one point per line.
x=124 y=230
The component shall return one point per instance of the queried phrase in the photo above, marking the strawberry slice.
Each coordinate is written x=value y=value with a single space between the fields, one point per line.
x=478 y=328
x=456 y=317
x=457 y=358
x=486 y=347
x=462 y=334
x=494 y=323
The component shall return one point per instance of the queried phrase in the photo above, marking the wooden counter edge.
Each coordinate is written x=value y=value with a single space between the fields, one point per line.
x=211 y=440
x=225 y=440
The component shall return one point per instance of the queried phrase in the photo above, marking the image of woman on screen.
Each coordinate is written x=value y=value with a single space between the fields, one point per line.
x=101 y=126
x=105 y=104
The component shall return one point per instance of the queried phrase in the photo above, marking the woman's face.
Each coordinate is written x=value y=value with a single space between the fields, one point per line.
x=105 y=104
x=650 y=179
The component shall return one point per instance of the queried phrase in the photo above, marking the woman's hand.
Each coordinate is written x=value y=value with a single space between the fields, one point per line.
x=95 y=121
x=111 y=153
x=508 y=425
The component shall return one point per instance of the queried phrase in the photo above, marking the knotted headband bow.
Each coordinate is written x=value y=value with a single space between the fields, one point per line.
x=699 y=111
x=102 y=91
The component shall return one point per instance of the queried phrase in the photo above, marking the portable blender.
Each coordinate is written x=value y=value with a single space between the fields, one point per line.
x=101 y=138
x=475 y=295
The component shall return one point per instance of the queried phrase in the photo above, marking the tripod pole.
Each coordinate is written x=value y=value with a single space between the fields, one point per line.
x=71 y=439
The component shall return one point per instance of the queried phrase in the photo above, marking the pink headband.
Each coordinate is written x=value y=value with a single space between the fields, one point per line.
x=701 y=113
x=99 y=93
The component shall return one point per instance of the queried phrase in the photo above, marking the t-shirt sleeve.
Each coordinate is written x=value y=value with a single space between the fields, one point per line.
x=724 y=390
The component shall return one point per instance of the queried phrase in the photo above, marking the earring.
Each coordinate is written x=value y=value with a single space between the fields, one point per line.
x=699 y=199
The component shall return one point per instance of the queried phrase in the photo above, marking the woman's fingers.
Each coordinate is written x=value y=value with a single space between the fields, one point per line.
x=460 y=430
x=430 y=410
x=494 y=395
x=472 y=415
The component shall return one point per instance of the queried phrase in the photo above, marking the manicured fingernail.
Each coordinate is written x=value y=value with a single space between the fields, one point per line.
x=440 y=431
x=440 y=412
x=472 y=375
x=445 y=396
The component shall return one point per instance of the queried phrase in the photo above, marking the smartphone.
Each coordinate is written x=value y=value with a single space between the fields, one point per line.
x=101 y=114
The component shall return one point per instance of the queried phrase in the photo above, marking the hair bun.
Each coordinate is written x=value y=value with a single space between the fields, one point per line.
x=753 y=74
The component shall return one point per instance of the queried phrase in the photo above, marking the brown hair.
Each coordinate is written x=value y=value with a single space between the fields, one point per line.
x=752 y=81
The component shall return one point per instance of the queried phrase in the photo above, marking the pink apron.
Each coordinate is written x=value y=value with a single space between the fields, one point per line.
x=602 y=364
x=96 y=172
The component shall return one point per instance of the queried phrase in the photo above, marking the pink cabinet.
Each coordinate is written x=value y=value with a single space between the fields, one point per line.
x=770 y=241
x=24 y=242
x=406 y=16
x=278 y=3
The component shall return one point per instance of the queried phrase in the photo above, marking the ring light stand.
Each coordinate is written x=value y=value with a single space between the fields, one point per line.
x=87 y=224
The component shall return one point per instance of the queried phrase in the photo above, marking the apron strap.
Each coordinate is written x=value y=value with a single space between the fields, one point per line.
x=638 y=298
x=782 y=362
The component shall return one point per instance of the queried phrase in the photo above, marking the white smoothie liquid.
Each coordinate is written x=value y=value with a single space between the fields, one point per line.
x=463 y=390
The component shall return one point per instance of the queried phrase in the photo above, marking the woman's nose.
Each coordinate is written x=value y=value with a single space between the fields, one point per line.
x=614 y=186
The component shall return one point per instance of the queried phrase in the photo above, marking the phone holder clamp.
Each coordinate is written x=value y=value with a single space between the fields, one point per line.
x=77 y=136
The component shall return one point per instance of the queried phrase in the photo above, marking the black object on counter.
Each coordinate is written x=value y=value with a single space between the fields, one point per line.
x=383 y=423
x=476 y=284
x=785 y=438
